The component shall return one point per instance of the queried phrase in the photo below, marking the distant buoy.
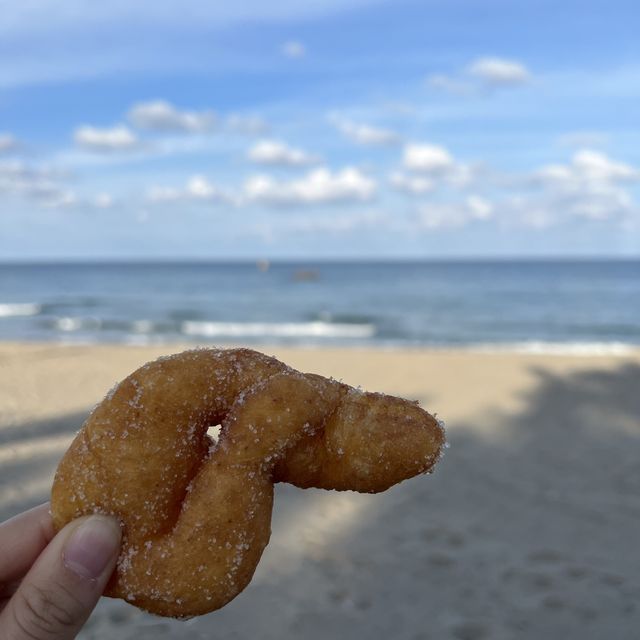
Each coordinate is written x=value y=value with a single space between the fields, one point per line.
x=306 y=275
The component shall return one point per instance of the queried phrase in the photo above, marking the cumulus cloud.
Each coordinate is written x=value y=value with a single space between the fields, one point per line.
x=247 y=124
x=482 y=74
x=499 y=72
x=46 y=187
x=586 y=166
x=109 y=140
x=293 y=49
x=37 y=184
x=597 y=166
x=8 y=143
x=479 y=208
x=319 y=186
x=435 y=163
x=411 y=184
x=365 y=134
x=160 y=115
x=198 y=188
x=427 y=158
x=276 y=153
x=591 y=185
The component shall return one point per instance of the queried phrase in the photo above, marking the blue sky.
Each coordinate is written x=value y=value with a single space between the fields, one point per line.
x=351 y=128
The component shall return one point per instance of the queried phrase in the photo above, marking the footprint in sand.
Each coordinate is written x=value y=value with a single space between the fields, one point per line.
x=530 y=579
x=545 y=556
x=450 y=538
x=470 y=630
x=576 y=572
x=440 y=559
x=553 y=602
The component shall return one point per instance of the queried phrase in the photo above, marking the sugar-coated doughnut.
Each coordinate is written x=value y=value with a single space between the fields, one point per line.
x=196 y=512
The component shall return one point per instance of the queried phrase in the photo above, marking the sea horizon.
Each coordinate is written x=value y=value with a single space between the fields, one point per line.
x=319 y=259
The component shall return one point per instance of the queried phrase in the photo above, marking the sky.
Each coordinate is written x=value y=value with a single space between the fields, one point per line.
x=328 y=129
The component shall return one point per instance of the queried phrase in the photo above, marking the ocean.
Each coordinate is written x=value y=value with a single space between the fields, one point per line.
x=580 y=306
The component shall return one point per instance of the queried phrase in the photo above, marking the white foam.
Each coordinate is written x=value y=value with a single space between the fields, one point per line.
x=559 y=348
x=277 y=329
x=10 y=309
x=142 y=326
x=69 y=323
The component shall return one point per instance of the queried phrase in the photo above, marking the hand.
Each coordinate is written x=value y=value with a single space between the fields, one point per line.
x=49 y=584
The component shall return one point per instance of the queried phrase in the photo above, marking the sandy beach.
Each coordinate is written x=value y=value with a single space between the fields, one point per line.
x=527 y=529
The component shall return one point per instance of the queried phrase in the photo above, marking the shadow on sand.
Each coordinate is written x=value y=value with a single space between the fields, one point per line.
x=528 y=529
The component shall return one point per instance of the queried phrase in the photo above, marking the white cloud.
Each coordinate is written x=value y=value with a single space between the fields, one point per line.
x=103 y=201
x=247 y=124
x=8 y=143
x=198 y=188
x=597 y=166
x=160 y=115
x=601 y=202
x=586 y=166
x=276 y=153
x=435 y=163
x=413 y=185
x=479 y=208
x=427 y=158
x=438 y=215
x=16 y=172
x=590 y=186
x=365 y=134
x=46 y=187
x=480 y=75
x=317 y=187
x=114 y=139
x=499 y=71
x=449 y=84
x=294 y=49
x=37 y=184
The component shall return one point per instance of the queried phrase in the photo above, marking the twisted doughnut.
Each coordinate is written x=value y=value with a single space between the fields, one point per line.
x=196 y=514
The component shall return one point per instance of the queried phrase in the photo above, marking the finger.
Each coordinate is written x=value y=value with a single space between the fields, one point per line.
x=22 y=539
x=58 y=594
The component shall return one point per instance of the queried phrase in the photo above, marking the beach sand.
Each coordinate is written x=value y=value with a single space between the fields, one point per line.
x=528 y=528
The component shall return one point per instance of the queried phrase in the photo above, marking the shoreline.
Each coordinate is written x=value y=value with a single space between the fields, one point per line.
x=534 y=347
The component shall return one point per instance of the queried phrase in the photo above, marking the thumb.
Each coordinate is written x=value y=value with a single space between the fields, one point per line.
x=58 y=594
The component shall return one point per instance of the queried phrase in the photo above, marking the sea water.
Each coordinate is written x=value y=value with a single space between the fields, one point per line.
x=579 y=306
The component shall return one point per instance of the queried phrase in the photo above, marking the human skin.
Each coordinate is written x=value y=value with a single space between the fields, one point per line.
x=50 y=583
